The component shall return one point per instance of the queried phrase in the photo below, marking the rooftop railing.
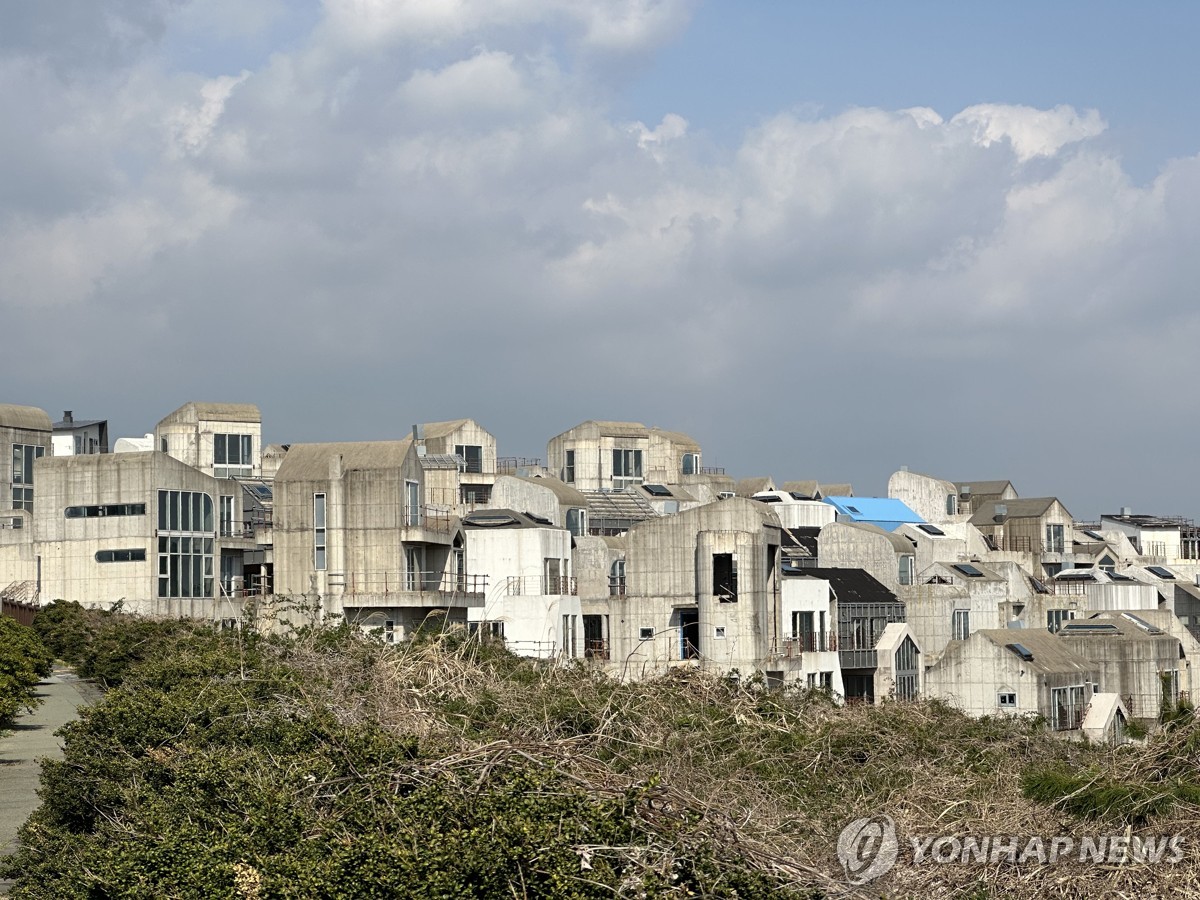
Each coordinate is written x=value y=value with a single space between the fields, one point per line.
x=397 y=582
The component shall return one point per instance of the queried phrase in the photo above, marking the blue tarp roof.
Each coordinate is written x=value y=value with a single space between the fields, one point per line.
x=885 y=512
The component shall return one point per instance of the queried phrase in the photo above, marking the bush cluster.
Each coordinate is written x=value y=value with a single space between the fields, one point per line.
x=24 y=661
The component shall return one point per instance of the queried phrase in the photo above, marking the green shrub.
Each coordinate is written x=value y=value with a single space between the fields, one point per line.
x=24 y=661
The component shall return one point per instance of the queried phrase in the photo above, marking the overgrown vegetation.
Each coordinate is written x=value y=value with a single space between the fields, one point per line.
x=24 y=661
x=329 y=765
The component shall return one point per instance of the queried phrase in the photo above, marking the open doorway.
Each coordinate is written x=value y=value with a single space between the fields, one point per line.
x=689 y=634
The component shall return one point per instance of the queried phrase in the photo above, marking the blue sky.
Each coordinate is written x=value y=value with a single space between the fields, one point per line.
x=736 y=64
x=827 y=240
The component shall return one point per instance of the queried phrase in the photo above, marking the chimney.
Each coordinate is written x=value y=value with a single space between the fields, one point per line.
x=67 y=417
x=1126 y=510
x=419 y=439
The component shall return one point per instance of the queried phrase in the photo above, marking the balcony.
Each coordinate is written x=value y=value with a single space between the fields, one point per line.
x=428 y=519
x=510 y=465
x=536 y=586
x=595 y=650
x=442 y=584
x=795 y=645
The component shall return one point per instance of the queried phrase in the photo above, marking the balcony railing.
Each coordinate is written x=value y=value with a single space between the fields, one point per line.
x=507 y=465
x=712 y=470
x=595 y=650
x=407 y=583
x=427 y=517
x=534 y=585
x=794 y=645
x=258 y=587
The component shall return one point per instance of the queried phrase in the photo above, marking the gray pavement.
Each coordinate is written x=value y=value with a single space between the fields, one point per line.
x=23 y=744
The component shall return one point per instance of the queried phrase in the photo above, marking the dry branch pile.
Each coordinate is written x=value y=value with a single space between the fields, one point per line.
x=330 y=765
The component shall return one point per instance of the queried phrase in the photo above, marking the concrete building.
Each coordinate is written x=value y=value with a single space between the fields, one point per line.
x=532 y=601
x=879 y=656
x=543 y=496
x=460 y=460
x=972 y=495
x=1137 y=660
x=889 y=557
x=702 y=588
x=615 y=456
x=76 y=437
x=1033 y=532
x=353 y=535
x=1015 y=671
x=797 y=510
x=220 y=439
x=134 y=528
x=933 y=499
x=25 y=437
x=810 y=618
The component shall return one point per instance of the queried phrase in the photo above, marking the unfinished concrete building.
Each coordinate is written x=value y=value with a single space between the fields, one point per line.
x=353 y=535
x=220 y=439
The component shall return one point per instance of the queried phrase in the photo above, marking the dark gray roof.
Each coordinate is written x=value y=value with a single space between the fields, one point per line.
x=854 y=585
x=1021 y=508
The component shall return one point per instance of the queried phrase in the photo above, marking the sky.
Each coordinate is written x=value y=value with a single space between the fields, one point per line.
x=826 y=240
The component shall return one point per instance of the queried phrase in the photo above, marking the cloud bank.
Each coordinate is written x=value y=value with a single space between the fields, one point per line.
x=418 y=210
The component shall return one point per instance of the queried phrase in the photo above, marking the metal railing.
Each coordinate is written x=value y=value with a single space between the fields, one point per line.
x=506 y=465
x=595 y=650
x=535 y=585
x=794 y=645
x=712 y=470
x=408 y=583
x=427 y=517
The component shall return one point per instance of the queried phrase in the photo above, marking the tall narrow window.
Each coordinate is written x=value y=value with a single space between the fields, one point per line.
x=22 y=474
x=414 y=562
x=616 y=578
x=226 y=515
x=569 y=468
x=553 y=581
x=724 y=571
x=576 y=521
x=906 y=569
x=691 y=464
x=961 y=625
x=319 y=532
x=412 y=503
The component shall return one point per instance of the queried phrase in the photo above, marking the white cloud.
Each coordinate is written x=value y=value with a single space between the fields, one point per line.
x=1031 y=132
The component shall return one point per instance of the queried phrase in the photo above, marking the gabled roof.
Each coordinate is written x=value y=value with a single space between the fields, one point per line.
x=1021 y=508
x=28 y=418
x=310 y=462
x=193 y=413
x=675 y=437
x=1050 y=654
x=748 y=487
x=985 y=488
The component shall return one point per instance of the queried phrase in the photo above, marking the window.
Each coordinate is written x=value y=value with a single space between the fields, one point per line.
x=232 y=450
x=162 y=445
x=645 y=633
x=691 y=464
x=951 y=504
x=907 y=660
x=552 y=571
x=1066 y=707
x=475 y=493
x=414 y=564
x=412 y=503
x=626 y=467
x=827 y=681
x=724 y=573
x=1006 y=700
x=569 y=468
x=616 y=578
x=137 y=554
x=967 y=569
x=185 y=544
x=319 y=532
x=906 y=569
x=1054 y=539
x=471 y=455
x=226 y=515
x=577 y=521
x=719 y=632
x=961 y=625
x=22 y=474
x=931 y=529
x=1056 y=617
x=111 y=509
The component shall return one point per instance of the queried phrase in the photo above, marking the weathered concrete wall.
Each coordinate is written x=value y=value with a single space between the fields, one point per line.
x=926 y=496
